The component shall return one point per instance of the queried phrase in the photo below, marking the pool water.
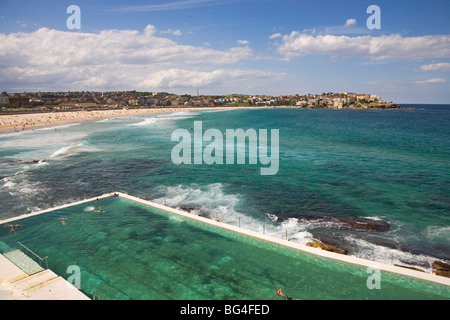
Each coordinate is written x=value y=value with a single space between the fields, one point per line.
x=126 y=250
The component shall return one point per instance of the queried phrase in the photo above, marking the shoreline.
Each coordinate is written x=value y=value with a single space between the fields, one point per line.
x=14 y=123
x=30 y=121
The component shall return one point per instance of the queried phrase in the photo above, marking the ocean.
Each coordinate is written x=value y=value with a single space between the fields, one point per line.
x=373 y=182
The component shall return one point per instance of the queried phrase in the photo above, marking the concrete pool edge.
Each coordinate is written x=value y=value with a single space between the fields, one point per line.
x=29 y=215
x=282 y=242
x=15 y=284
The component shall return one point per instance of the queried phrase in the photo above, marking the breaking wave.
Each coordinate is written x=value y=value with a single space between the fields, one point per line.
x=166 y=118
x=19 y=185
x=370 y=251
x=213 y=202
x=58 y=127
x=68 y=151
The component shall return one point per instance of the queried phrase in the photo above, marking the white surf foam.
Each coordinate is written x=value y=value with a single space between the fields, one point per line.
x=219 y=110
x=146 y=122
x=438 y=233
x=104 y=120
x=210 y=200
x=180 y=114
x=166 y=118
x=41 y=140
x=291 y=228
x=370 y=251
x=18 y=185
x=73 y=150
x=213 y=201
x=58 y=127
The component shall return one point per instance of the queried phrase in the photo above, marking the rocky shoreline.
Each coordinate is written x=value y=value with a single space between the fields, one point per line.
x=439 y=267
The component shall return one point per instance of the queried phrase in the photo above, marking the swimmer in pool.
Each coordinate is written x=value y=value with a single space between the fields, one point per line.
x=13 y=226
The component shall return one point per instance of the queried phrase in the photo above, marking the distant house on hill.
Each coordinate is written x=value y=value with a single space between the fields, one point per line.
x=4 y=100
x=18 y=100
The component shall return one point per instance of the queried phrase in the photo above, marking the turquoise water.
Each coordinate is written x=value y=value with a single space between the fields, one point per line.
x=387 y=166
x=132 y=251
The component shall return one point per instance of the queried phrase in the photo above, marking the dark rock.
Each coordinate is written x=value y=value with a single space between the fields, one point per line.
x=439 y=265
x=363 y=224
x=441 y=269
x=358 y=224
x=187 y=208
x=18 y=162
x=327 y=247
x=194 y=210
x=442 y=273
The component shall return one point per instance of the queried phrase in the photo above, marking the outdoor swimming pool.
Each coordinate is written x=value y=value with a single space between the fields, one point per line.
x=128 y=250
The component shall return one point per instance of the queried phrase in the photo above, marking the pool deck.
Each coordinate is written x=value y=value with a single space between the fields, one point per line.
x=15 y=284
x=283 y=242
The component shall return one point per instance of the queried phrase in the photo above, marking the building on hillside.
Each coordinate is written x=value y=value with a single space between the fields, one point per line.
x=18 y=100
x=146 y=101
x=4 y=100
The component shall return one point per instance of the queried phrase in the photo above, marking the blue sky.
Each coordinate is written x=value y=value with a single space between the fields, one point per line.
x=229 y=46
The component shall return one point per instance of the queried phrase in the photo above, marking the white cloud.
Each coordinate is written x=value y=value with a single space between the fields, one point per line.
x=436 y=67
x=174 y=5
x=350 y=22
x=245 y=42
x=173 y=32
x=374 y=48
x=22 y=23
x=183 y=78
x=48 y=59
x=47 y=47
x=435 y=80
x=276 y=35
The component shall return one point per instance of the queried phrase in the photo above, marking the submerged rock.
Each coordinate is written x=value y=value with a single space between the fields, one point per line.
x=194 y=210
x=188 y=208
x=358 y=224
x=327 y=247
x=18 y=162
x=365 y=224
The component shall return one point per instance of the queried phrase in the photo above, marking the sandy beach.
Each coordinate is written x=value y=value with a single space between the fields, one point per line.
x=21 y=122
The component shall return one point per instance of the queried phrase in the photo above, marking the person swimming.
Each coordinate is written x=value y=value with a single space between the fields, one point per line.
x=13 y=226
x=63 y=221
x=281 y=294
